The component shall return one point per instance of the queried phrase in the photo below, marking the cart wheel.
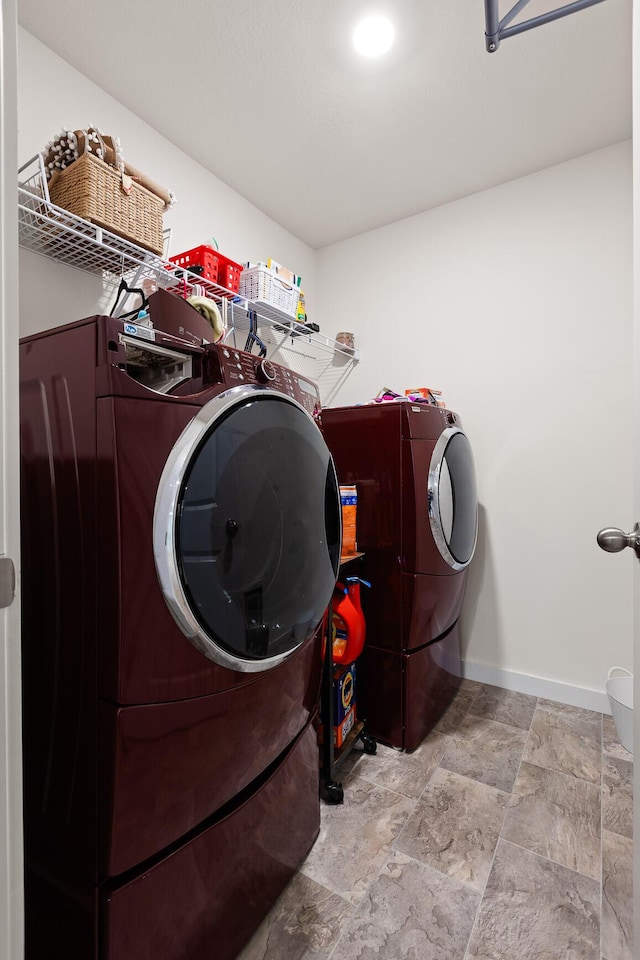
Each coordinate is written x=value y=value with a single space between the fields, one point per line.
x=334 y=793
x=369 y=744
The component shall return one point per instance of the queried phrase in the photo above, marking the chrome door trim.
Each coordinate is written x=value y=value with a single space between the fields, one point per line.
x=433 y=500
x=164 y=521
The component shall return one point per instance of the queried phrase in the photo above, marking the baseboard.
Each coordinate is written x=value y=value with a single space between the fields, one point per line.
x=537 y=686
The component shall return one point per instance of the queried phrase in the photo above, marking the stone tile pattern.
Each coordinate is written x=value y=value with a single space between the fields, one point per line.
x=556 y=816
x=455 y=828
x=506 y=834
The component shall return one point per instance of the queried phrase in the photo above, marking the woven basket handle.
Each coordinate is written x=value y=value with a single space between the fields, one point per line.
x=622 y=670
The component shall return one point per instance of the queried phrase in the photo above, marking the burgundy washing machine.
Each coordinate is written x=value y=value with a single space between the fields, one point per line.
x=417 y=525
x=181 y=538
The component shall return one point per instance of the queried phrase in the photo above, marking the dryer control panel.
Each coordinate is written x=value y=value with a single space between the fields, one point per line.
x=236 y=367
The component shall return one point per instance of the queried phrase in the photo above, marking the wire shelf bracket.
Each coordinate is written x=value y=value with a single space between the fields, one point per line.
x=497 y=29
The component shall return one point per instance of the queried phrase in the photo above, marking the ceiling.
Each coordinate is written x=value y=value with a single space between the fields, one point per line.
x=272 y=99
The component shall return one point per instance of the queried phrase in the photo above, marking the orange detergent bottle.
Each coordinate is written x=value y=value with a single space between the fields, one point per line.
x=348 y=625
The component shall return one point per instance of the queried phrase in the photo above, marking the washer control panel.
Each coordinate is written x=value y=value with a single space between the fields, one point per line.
x=236 y=367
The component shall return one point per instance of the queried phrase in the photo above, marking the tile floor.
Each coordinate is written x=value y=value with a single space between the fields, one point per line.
x=505 y=836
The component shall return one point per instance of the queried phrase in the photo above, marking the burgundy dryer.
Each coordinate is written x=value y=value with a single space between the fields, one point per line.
x=181 y=538
x=417 y=525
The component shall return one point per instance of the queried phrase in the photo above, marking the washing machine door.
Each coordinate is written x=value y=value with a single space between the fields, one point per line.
x=453 y=499
x=246 y=528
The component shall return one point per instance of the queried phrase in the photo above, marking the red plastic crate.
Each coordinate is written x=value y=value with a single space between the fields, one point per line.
x=214 y=265
x=203 y=256
x=229 y=274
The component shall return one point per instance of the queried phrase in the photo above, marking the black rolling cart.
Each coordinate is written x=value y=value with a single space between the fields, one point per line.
x=333 y=757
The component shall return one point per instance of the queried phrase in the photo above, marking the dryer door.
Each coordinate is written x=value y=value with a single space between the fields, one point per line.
x=452 y=498
x=246 y=529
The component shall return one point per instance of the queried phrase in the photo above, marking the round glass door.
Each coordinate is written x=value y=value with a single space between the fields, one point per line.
x=453 y=499
x=247 y=528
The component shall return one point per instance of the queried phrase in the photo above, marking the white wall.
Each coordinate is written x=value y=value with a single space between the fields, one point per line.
x=52 y=95
x=517 y=304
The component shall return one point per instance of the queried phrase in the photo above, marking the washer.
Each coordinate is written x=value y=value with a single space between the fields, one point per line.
x=181 y=538
x=417 y=525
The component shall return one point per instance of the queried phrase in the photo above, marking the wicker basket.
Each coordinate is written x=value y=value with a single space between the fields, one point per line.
x=91 y=189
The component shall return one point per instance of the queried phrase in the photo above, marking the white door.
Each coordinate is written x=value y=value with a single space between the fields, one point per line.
x=11 y=895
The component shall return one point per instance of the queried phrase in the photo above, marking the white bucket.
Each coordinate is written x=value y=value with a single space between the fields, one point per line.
x=620 y=693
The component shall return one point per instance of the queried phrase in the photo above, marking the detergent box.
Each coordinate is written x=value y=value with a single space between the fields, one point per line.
x=349 y=502
x=344 y=704
x=344 y=692
x=342 y=730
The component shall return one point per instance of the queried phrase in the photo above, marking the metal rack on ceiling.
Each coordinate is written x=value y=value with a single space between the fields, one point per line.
x=500 y=29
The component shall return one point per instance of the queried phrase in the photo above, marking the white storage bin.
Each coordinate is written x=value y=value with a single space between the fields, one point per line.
x=262 y=285
x=619 y=687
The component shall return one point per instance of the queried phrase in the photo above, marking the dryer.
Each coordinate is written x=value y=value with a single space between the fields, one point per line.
x=181 y=538
x=417 y=525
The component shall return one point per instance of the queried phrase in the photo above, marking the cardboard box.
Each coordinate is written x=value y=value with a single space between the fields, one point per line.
x=349 y=503
x=284 y=272
x=342 y=730
x=344 y=692
x=344 y=704
x=428 y=393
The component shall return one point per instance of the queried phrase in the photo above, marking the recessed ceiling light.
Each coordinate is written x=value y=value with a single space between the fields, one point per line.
x=373 y=36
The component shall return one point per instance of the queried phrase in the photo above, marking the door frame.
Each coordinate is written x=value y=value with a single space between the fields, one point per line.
x=635 y=440
x=11 y=850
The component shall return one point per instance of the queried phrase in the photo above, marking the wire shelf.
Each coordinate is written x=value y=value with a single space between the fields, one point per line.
x=59 y=235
